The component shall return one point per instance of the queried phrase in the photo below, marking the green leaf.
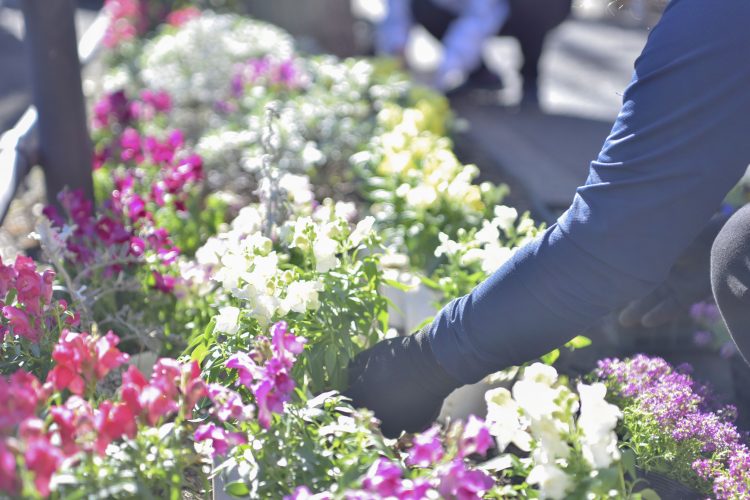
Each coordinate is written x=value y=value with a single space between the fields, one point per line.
x=550 y=357
x=649 y=494
x=578 y=343
x=628 y=462
x=397 y=285
x=237 y=489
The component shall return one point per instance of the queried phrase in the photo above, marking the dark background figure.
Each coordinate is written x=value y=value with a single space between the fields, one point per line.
x=529 y=21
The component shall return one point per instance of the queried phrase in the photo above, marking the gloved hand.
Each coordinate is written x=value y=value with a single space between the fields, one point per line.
x=688 y=282
x=401 y=382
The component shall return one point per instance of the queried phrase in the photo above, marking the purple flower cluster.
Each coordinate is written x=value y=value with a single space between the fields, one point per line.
x=147 y=174
x=123 y=223
x=686 y=413
x=446 y=477
x=266 y=370
x=711 y=329
x=282 y=75
x=117 y=110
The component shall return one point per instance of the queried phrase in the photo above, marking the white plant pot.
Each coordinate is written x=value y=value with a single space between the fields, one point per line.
x=410 y=308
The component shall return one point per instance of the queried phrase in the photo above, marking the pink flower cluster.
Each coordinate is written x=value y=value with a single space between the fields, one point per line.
x=81 y=360
x=116 y=111
x=124 y=222
x=450 y=478
x=133 y=18
x=75 y=425
x=266 y=370
x=30 y=312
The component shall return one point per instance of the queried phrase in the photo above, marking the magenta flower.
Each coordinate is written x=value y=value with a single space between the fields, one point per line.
x=113 y=422
x=456 y=481
x=383 y=478
x=221 y=439
x=130 y=144
x=9 y=483
x=20 y=395
x=228 y=404
x=245 y=366
x=82 y=360
x=476 y=438
x=20 y=324
x=43 y=459
x=427 y=448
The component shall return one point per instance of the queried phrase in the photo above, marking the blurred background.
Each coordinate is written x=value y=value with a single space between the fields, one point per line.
x=543 y=152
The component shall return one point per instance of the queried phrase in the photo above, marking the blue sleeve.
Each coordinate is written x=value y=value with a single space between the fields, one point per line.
x=679 y=144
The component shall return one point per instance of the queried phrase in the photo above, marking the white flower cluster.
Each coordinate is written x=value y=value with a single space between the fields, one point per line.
x=324 y=120
x=196 y=62
x=486 y=247
x=539 y=416
x=251 y=269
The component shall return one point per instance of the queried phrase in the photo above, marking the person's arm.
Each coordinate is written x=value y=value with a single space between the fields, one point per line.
x=464 y=40
x=392 y=33
x=678 y=146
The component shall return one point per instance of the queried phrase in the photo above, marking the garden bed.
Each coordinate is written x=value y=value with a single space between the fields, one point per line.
x=254 y=207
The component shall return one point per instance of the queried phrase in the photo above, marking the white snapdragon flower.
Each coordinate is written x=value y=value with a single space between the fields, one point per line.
x=264 y=307
x=504 y=420
x=302 y=296
x=345 y=210
x=597 y=422
x=553 y=482
x=447 y=246
x=324 y=249
x=300 y=238
x=488 y=235
x=505 y=217
x=298 y=188
x=421 y=196
x=525 y=226
x=473 y=255
x=257 y=244
x=233 y=266
x=541 y=373
x=210 y=253
x=537 y=400
x=362 y=231
x=549 y=434
x=249 y=220
x=227 y=320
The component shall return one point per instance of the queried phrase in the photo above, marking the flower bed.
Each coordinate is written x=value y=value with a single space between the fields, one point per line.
x=252 y=203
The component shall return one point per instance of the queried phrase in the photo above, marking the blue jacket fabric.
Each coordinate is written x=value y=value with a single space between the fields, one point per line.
x=680 y=143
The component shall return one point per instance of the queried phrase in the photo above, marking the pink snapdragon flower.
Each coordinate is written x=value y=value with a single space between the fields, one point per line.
x=383 y=478
x=83 y=360
x=113 y=421
x=72 y=420
x=43 y=459
x=427 y=448
x=476 y=438
x=228 y=404
x=461 y=483
x=9 y=482
x=20 y=396
x=269 y=379
x=221 y=439
x=20 y=324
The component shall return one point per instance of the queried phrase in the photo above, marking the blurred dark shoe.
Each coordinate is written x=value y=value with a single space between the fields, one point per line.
x=530 y=96
x=481 y=79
